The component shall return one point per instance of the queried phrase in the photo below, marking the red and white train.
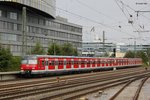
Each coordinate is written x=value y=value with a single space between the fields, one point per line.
x=44 y=64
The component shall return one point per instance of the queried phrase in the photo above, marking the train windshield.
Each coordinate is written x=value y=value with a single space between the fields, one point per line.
x=29 y=60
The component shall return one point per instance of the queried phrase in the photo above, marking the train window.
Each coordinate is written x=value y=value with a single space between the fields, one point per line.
x=88 y=62
x=60 y=62
x=69 y=62
x=53 y=63
x=38 y=62
x=75 y=62
x=85 y=61
x=79 y=62
x=72 y=62
x=24 y=61
x=65 y=63
x=93 y=62
x=82 y=62
x=56 y=62
x=108 y=61
x=50 y=63
x=46 y=63
x=43 y=63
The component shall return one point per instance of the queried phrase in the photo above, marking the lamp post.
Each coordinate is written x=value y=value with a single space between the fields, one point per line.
x=24 y=33
x=134 y=46
x=103 y=41
x=54 y=47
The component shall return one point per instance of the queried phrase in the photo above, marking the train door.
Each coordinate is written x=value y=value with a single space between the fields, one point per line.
x=118 y=62
x=68 y=63
x=96 y=62
x=88 y=62
x=72 y=63
x=79 y=63
x=85 y=64
x=82 y=63
x=123 y=61
x=91 y=62
x=46 y=64
x=115 y=62
x=56 y=64
x=107 y=61
x=110 y=62
x=102 y=62
x=76 y=63
x=65 y=64
x=41 y=63
x=60 y=63
x=51 y=64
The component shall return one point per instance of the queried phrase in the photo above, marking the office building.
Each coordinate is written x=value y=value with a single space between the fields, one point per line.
x=41 y=25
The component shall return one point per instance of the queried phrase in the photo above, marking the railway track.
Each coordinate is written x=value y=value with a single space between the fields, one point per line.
x=76 y=92
x=53 y=79
x=137 y=92
x=52 y=88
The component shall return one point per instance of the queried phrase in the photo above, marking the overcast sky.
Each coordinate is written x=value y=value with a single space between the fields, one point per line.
x=111 y=16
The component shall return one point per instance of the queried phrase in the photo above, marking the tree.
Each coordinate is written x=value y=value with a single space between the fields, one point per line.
x=16 y=62
x=129 y=54
x=38 y=49
x=75 y=52
x=141 y=54
x=54 y=49
x=67 y=49
x=5 y=59
x=138 y=54
x=147 y=53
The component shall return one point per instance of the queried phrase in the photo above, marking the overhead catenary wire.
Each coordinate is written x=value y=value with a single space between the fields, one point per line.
x=89 y=7
x=100 y=13
x=127 y=12
x=94 y=21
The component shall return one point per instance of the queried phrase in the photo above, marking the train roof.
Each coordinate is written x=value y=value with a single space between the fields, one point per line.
x=56 y=56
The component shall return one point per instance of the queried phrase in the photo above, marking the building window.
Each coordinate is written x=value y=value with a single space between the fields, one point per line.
x=15 y=27
x=13 y=15
x=0 y=13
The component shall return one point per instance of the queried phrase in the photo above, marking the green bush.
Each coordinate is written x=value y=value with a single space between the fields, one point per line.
x=7 y=61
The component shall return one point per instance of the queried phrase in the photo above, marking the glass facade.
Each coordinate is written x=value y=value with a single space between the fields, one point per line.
x=39 y=28
x=13 y=15
x=0 y=13
x=47 y=6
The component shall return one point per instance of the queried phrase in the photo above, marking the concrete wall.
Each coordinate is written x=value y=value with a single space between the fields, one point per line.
x=9 y=75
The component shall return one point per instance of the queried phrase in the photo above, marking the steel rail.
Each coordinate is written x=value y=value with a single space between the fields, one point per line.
x=86 y=88
x=139 y=89
x=24 y=85
x=116 y=94
x=32 y=81
x=72 y=82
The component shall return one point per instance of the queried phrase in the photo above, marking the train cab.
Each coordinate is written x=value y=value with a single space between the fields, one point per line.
x=28 y=64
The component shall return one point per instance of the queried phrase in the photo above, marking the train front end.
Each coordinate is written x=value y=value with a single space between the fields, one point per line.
x=28 y=65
